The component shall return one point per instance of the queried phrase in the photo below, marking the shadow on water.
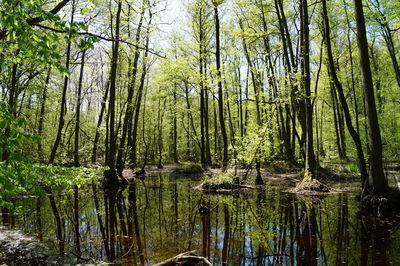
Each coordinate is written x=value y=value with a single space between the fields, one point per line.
x=162 y=216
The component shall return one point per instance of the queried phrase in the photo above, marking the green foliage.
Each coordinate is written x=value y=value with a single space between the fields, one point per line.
x=255 y=145
x=352 y=167
x=189 y=168
x=12 y=137
x=221 y=180
x=18 y=174
x=26 y=42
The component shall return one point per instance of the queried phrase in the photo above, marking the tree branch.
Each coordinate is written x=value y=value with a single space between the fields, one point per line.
x=36 y=20
x=102 y=38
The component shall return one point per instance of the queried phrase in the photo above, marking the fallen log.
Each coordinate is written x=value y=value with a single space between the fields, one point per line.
x=186 y=258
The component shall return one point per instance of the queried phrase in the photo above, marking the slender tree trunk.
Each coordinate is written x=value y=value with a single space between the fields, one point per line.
x=206 y=119
x=42 y=113
x=353 y=87
x=310 y=162
x=160 y=131
x=110 y=174
x=388 y=36
x=255 y=77
x=215 y=129
x=63 y=108
x=291 y=70
x=240 y=102
x=174 y=130
x=78 y=111
x=97 y=134
x=220 y=93
x=146 y=146
x=356 y=138
x=202 y=109
x=377 y=81
x=377 y=180
x=190 y=117
x=127 y=124
x=335 y=119
x=133 y=148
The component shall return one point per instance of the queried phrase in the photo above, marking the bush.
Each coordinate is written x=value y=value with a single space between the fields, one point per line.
x=19 y=175
x=352 y=168
x=189 y=168
x=219 y=181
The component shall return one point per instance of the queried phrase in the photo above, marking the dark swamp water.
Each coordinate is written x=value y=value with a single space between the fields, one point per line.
x=161 y=216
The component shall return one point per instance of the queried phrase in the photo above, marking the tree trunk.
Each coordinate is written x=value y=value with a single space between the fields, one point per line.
x=139 y=95
x=63 y=109
x=353 y=87
x=202 y=108
x=78 y=111
x=220 y=93
x=174 y=130
x=97 y=134
x=110 y=174
x=356 y=138
x=42 y=113
x=127 y=124
x=387 y=34
x=206 y=119
x=310 y=162
x=377 y=181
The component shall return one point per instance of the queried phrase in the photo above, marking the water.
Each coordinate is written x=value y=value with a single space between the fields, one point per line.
x=162 y=216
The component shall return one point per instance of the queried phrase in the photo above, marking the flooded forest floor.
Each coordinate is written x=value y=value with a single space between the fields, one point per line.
x=160 y=215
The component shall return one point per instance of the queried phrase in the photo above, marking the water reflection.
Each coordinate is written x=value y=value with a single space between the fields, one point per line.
x=161 y=216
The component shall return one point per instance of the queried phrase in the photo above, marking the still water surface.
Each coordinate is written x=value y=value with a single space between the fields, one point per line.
x=162 y=216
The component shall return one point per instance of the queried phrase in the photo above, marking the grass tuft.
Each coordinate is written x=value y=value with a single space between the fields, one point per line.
x=188 y=168
x=219 y=181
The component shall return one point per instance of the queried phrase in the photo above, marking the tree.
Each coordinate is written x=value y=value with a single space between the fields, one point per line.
x=356 y=137
x=61 y=121
x=310 y=162
x=110 y=174
x=220 y=93
x=78 y=110
x=377 y=181
x=127 y=125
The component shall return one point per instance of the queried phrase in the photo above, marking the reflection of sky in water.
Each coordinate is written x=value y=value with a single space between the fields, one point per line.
x=335 y=222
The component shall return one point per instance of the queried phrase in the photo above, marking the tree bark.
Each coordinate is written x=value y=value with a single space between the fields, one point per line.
x=42 y=113
x=110 y=174
x=377 y=181
x=133 y=148
x=127 y=124
x=220 y=93
x=78 y=111
x=63 y=109
x=202 y=108
x=97 y=134
x=310 y=162
x=353 y=133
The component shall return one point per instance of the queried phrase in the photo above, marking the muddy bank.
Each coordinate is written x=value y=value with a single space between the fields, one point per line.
x=18 y=249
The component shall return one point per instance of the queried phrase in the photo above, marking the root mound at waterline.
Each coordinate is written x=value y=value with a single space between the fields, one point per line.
x=313 y=186
x=222 y=183
x=389 y=202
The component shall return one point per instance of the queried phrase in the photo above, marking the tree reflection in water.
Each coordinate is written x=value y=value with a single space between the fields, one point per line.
x=162 y=216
